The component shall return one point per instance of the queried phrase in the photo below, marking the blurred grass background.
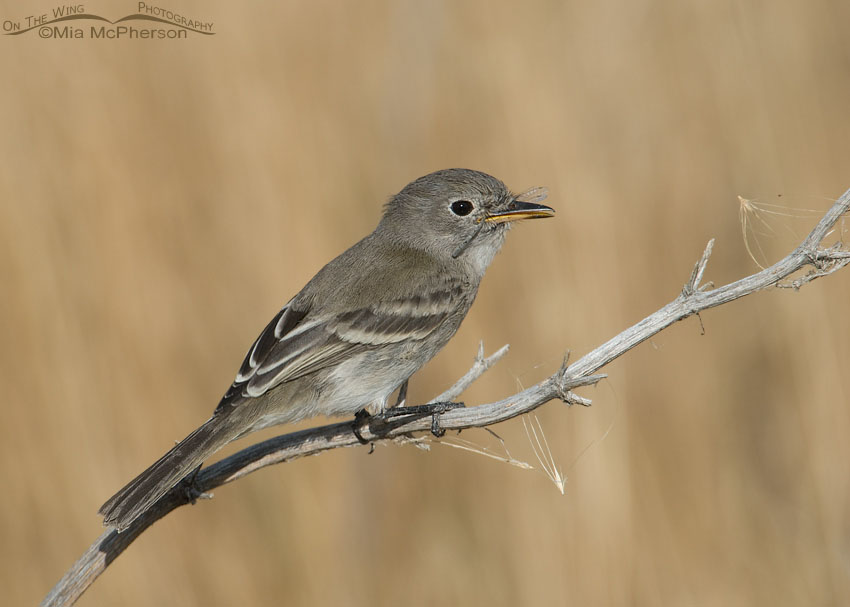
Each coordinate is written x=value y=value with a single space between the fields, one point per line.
x=160 y=200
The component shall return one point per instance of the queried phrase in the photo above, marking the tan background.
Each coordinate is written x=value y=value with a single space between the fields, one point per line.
x=160 y=200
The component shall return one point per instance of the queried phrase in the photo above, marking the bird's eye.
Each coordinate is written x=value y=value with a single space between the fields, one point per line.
x=461 y=207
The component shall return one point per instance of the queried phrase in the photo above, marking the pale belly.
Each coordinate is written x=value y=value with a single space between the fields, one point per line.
x=365 y=381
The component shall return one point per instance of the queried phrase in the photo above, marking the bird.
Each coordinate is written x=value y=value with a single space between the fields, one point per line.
x=361 y=327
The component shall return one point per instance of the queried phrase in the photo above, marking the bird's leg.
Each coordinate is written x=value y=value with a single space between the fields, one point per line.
x=402 y=395
x=432 y=409
x=362 y=415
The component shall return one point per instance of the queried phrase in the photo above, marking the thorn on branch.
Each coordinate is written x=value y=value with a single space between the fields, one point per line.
x=564 y=386
x=833 y=253
x=692 y=286
x=574 y=399
x=565 y=363
x=482 y=363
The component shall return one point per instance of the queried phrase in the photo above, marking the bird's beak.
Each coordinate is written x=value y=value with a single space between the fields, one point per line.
x=521 y=210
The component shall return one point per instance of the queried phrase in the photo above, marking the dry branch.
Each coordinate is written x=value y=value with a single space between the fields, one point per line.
x=692 y=300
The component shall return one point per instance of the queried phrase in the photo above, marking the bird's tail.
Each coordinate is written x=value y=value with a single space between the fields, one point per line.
x=143 y=491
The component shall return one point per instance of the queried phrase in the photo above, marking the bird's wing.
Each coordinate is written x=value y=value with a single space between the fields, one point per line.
x=295 y=344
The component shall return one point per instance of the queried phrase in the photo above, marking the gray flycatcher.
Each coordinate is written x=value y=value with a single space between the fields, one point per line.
x=361 y=327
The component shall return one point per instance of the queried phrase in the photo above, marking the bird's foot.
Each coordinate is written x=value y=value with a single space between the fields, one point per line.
x=360 y=417
x=432 y=409
x=189 y=488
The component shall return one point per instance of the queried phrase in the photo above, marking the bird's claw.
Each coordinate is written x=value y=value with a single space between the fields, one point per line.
x=432 y=409
x=359 y=418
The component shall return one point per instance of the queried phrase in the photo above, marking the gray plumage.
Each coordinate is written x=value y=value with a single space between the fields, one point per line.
x=360 y=328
